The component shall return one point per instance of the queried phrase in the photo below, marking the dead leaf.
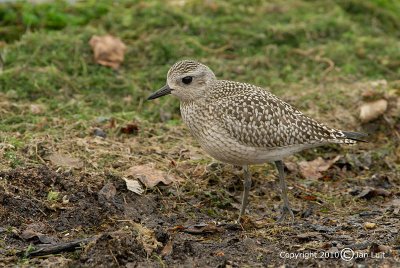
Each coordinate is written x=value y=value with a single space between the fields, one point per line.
x=309 y=197
x=202 y=229
x=36 y=108
x=112 y=123
x=167 y=250
x=36 y=237
x=65 y=160
x=55 y=261
x=219 y=253
x=134 y=186
x=323 y=228
x=291 y=166
x=127 y=99
x=313 y=169
x=370 y=192
x=372 y=110
x=149 y=176
x=396 y=205
x=308 y=236
x=176 y=228
x=32 y=234
x=147 y=238
x=108 y=50
x=358 y=161
x=375 y=248
x=379 y=83
x=131 y=128
x=179 y=3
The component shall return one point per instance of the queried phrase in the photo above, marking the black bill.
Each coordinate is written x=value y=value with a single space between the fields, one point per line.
x=165 y=90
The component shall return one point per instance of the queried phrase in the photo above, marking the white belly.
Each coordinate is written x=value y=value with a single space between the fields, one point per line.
x=225 y=149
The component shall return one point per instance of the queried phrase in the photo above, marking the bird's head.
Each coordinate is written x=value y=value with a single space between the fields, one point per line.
x=188 y=80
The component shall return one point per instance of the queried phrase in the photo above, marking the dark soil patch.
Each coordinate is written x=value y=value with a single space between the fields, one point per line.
x=153 y=229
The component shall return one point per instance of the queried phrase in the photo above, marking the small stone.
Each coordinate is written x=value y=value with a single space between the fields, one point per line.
x=369 y=225
x=108 y=192
x=65 y=199
x=372 y=110
x=99 y=132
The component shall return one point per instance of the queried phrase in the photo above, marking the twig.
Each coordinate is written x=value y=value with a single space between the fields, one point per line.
x=331 y=64
x=38 y=156
x=317 y=58
x=58 y=248
x=115 y=259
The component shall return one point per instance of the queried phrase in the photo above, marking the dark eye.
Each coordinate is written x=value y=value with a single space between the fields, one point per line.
x=187 y=80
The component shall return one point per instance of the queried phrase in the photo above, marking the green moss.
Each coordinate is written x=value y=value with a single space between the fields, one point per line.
x=17 y=17
x=278 y=44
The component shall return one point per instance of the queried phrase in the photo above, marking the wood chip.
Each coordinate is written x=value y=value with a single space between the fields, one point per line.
x=134 y=186
x=369 y=225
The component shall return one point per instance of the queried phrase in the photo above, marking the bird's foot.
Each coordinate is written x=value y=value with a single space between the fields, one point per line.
x=286 y=211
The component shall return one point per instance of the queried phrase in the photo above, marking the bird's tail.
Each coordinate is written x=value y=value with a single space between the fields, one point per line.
x=349 y=137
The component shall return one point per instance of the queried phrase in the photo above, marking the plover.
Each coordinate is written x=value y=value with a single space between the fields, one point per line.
x=242 y=124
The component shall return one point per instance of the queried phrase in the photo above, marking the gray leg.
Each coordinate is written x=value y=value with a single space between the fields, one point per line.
x=286 y=206
x=246 y=189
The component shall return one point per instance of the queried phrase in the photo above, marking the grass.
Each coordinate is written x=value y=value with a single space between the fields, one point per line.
x=322 y=56
x=291 y=46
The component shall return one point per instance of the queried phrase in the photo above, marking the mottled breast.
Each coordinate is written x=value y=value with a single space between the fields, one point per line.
x=203 y=124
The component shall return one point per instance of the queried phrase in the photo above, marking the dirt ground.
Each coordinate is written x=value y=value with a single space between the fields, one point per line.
x=74 y=134
x=97 y=222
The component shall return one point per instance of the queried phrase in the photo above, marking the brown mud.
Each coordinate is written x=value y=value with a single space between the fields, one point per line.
x=182 y=227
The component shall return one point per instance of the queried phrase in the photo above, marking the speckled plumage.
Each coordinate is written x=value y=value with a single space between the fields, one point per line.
x=243 y=124
x=250 y=125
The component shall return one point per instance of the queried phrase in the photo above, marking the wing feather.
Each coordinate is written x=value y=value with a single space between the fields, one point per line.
x=258 y=118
